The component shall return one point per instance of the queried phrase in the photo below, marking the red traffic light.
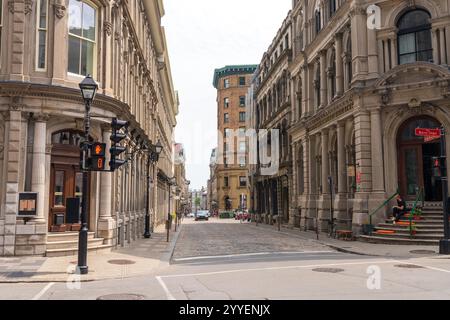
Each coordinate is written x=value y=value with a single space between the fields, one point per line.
x=98 y=149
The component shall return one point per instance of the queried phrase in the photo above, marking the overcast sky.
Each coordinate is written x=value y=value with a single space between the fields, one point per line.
x=203 y=35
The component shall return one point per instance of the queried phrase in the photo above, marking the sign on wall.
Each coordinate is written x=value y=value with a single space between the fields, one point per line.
x=27 y=204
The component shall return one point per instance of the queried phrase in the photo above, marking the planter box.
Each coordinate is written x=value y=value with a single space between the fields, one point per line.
x=61 y=228
x=75 y=227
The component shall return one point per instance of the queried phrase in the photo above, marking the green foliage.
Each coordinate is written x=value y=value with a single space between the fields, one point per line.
x=198 y=201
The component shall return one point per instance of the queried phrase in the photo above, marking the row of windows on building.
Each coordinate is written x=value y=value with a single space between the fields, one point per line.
x=226 y=117
x=226 y=102
x=242 y=182
x=227 y=83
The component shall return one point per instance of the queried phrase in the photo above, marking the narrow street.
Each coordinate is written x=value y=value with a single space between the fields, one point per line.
x=229 y=260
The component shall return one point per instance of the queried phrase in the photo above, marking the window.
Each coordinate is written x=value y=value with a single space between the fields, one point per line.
x=242 y=101
x=332 y=7
x=317 y=21
x=242 y=132
x=242 y=161
x=42 y=6
x=226 y=83
x=241 y=116
x=242 y=146
x=226 y=182
x=82 y=38
x=414 y=37
x=226 y=118
x=242 y=182
x=242 y=81
x=227 y=132
x=226 y=103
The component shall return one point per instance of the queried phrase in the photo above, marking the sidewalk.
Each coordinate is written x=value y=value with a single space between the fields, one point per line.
x=142 y=257
x=358 y=247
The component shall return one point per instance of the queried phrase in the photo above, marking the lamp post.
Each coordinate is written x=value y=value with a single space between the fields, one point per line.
x=153 y=156
x=88 y=89
x=170 y=182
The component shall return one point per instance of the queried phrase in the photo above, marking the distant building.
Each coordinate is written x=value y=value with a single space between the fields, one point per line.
x=232 y=83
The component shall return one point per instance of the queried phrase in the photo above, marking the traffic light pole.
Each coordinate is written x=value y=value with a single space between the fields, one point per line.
x=83 y=236
x=444 y=244
x=147 y=234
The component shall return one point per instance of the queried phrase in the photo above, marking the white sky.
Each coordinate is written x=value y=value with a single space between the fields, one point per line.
x=203 y=35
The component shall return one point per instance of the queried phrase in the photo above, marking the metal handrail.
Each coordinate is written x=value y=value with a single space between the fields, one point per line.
x=413 y=210
x=383 y=205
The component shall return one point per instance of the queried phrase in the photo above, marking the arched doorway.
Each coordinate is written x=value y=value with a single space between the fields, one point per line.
x=415 y=160
x=66 y=182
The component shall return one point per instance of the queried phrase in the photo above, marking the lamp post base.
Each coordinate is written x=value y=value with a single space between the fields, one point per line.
x=83 y=269
x=444 y=246
x=147 y=235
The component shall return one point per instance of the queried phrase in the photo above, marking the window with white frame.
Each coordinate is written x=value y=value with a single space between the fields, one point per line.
x=82 y=38
x=41 y=36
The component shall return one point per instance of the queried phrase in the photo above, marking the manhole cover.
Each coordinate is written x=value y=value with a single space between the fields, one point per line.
x=329 y=270
x=121 y=262
x=422 y=252
x=408 y=266
x=122 y=296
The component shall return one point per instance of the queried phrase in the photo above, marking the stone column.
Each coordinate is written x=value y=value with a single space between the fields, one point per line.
x=387 y=65
x=377 y=151
x=442 y=45
x=107 y=54
x=447 y=41
x=305 y=84
x=342 y=170
x=323 y=79
x=359 y=39
x=325 y=161
x=106 y=223
x=394 y=52
x=12 y=153
x=60 y=42
x=372 y=53
x=434 y=39
x=39 y=163
x=339 y=66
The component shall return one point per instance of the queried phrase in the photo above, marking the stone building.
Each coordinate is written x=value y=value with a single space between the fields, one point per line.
x=232 y=83
x=212 y=182
x=363 y=77
x=271 y=95
x=46 y=49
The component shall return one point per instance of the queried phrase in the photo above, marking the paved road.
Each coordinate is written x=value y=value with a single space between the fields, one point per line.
x=229 y=260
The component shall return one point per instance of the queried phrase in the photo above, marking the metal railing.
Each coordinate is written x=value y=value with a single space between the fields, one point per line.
x=419 y=198
x=379 y=208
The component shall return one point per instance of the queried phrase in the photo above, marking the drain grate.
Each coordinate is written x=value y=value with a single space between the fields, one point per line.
x=409 y=266
x=121 y=262
x=422 y=252
x=328 y=270
x=122 y=296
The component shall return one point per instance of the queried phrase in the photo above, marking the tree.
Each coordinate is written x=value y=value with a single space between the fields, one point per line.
x=197 y=203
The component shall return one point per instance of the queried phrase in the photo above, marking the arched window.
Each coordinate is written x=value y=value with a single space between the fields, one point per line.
x=318 y=22
x=414 y=37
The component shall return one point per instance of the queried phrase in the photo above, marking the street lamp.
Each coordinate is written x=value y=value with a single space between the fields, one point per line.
x=153 y=156
x=88 y=89
x=171 y=182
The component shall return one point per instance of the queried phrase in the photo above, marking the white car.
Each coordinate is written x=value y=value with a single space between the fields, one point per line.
x=191 y=215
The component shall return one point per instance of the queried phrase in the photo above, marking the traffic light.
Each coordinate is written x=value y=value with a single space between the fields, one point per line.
x=97 y=156
x=116 y=137
x=439 y=167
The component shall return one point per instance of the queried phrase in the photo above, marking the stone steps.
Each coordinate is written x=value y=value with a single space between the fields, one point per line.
x=66 y=244
x=401 y=230
x=397 y=241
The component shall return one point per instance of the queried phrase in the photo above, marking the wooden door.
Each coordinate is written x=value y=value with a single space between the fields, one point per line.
x=411 y=170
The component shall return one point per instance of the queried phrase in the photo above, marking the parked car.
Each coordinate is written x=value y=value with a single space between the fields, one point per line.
x=202 y=215
x=242 y=215
x=191 y=215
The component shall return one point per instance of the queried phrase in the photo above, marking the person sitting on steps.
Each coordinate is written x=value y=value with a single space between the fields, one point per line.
x=399 y=210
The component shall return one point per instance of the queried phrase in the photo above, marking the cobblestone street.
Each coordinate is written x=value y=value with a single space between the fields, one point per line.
x=230 y=237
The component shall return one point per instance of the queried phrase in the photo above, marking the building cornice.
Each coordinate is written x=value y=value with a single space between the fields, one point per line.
x=232 y=70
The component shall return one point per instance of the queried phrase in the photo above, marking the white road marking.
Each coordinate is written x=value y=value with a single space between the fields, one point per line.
x=431 y=268
x=166 y=290
x=280 y=268
x=253 y=254
x=43 y=291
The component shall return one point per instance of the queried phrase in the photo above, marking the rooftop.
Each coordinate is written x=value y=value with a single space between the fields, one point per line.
x=231 y=70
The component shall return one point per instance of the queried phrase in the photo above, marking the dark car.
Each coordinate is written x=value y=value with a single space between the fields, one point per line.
x=202 y=215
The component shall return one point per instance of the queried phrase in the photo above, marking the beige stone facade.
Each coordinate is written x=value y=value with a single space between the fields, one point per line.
x=46 y=49
x=361 y=79
x=232 y=83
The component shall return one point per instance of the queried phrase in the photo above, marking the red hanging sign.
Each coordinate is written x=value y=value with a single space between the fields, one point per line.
x=423 y=132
